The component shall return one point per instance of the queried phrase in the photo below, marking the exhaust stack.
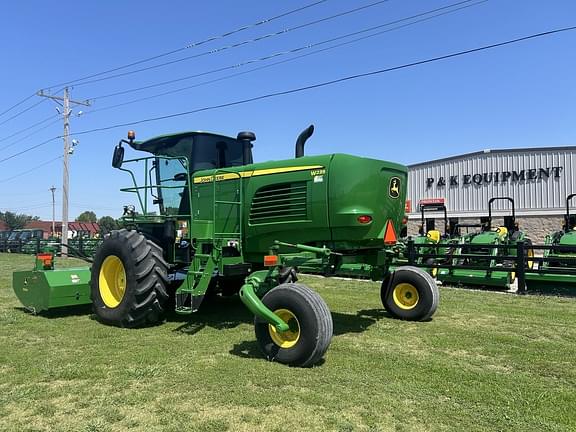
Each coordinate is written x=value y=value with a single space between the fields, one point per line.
x=246 y=139
x=302 y=138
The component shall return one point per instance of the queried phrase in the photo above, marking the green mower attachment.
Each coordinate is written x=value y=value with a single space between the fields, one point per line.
x=45 y=288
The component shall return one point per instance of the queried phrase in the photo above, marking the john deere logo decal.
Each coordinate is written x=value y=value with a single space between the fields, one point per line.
x=394 y=188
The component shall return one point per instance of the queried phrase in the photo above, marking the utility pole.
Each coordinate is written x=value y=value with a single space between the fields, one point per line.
x=53 y=189
x=65 y=102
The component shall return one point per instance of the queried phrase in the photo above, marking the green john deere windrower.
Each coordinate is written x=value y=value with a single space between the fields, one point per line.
x=210 y=221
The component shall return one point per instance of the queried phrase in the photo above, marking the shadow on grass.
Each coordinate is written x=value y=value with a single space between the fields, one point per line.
x=551 y=291
x=533 y=289
x=250 y=350
x=219 y=313
x=223 y=313
x=61 y=312
x=247 y=350
x=357 y=323
x=227 y=313
x=343 y=324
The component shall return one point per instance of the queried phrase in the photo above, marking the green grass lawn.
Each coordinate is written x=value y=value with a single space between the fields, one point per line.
x=486 y=361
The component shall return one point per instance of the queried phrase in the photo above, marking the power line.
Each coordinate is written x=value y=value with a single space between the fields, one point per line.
x=21 y=112
x=194 y=44
x=30 y=134
x=331 y=82
x=31 y=207
x=26 y=99
x=238 y=44
x=3 y=194
x=28 y=128
x=463 y=5
x=31 y=169
x=26 y=150
x=281 y=53
x=306 y=88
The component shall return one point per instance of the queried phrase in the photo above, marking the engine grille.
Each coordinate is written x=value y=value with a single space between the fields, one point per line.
x=284 y=202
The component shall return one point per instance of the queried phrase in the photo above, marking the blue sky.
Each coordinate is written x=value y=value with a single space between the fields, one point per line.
x=517 y=96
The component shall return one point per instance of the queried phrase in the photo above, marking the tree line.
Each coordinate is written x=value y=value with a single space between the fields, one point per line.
x=16 y=221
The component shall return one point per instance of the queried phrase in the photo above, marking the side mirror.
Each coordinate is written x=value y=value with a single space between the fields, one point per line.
x=118 y=156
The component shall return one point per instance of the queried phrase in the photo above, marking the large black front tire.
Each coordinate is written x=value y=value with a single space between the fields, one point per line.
x=129 y=279
x=310 y=323
x=409 y=293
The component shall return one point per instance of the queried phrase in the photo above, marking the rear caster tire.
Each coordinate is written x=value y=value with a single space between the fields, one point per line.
x=310 y=324
x=128 y=284
x=410 y=294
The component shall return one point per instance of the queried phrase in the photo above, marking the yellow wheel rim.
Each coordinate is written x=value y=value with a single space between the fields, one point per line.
x=405 y=296
x=112 y=281
x=290 y=337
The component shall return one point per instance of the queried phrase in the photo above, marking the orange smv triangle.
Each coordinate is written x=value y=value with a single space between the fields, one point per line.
x=389 y=233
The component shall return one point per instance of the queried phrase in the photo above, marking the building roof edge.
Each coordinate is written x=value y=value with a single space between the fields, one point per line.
x=489 y=151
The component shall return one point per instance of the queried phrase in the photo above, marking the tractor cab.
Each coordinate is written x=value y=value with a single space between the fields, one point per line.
x=203 y=150
x=179 y=156
x=19 y=237
x=31 y=234
x=168 y=180
x=15 y=235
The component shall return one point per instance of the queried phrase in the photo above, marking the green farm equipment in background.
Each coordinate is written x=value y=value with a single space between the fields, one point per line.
x=432 y=245
x=225 y=225
x=432 y=248
x=4 y=235
x=558 y=265
x=563 y=242
x=19 y=239
x=81 y=247
x=38 y=245
x=490 y=252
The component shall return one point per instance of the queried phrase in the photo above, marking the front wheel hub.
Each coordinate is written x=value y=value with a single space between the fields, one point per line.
x=290 y=337
x=405 y=296
x=112 y=281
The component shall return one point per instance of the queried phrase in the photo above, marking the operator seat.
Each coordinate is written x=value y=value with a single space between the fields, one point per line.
x=502 y=231
x=434 y=235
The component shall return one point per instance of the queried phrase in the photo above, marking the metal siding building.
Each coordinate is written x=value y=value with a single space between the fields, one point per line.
x=538 y=179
